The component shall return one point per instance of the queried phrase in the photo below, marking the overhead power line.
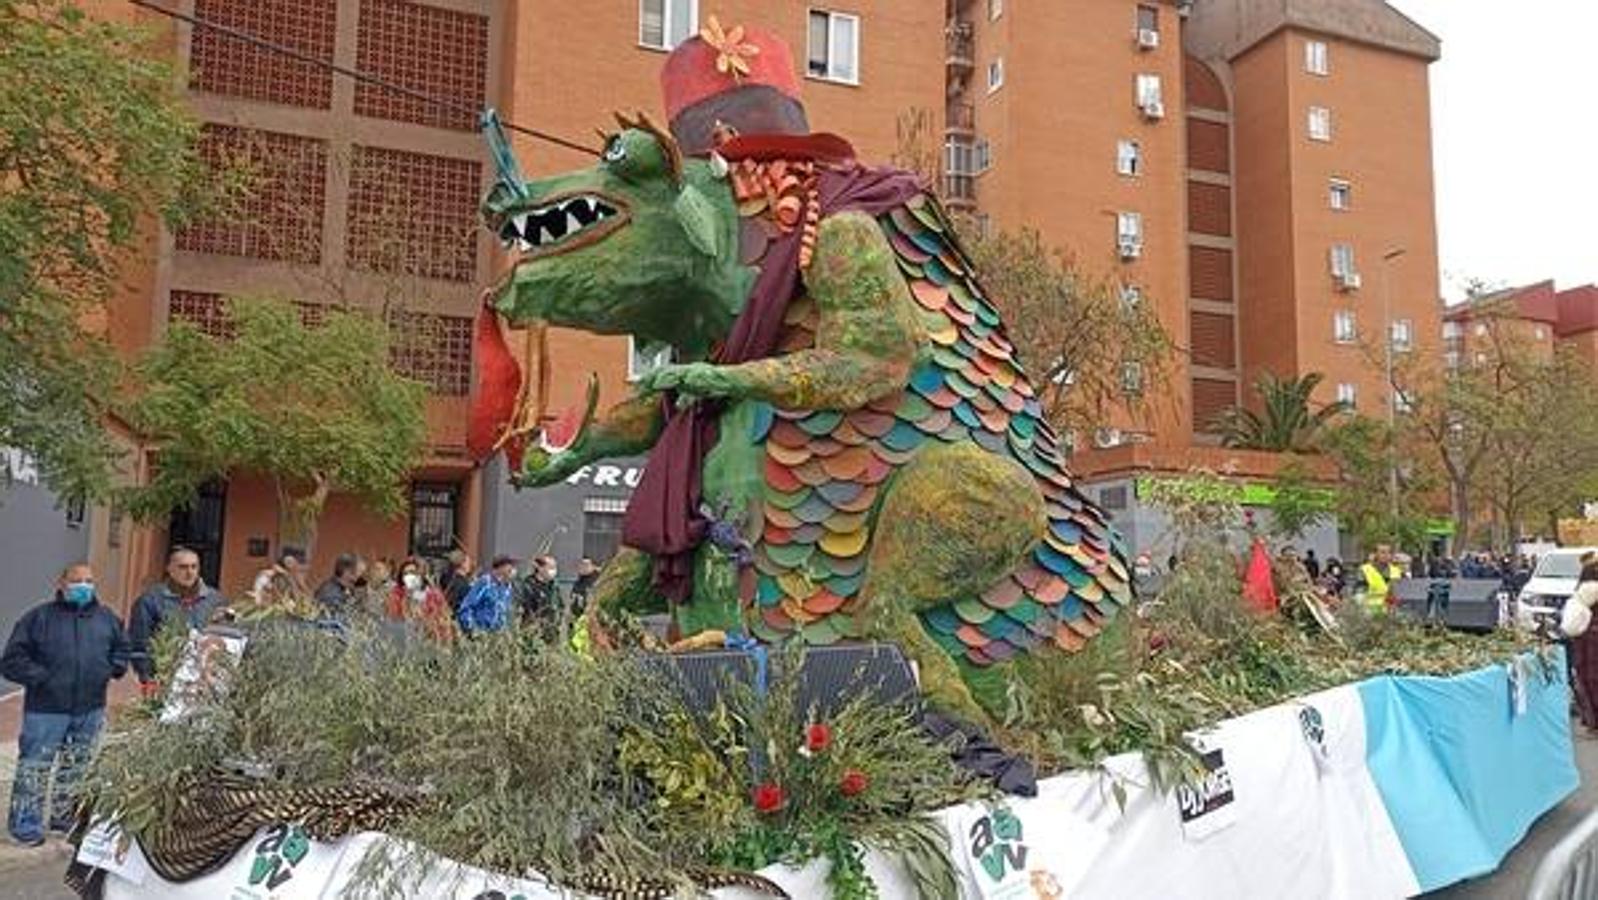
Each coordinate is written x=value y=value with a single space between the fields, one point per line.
x=356 y=74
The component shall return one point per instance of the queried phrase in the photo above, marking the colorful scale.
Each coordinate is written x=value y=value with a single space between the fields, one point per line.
x=824 y=471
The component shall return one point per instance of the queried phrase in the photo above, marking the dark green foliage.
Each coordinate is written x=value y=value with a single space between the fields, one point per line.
x=315 y=408
x=94 y=145
x=1288 y=420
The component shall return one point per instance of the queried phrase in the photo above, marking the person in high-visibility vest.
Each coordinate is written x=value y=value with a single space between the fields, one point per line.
x=1378 y=573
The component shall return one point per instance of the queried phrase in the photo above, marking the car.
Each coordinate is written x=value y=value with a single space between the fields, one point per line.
x=1550 y=585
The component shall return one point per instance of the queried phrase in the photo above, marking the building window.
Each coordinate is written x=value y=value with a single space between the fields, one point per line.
x=1481 y=329
x=995 y=9
x=429 y=50
x=982 y=156
x=1315 y=57
x=1342 y=258
x=1128 y=158
x=434 y=511
x=1403 y=335
x=1149 y=97
x=1129 y=234
x=663 y=24
x=835 y=46
x=1346 y=395
x=1320 y=123
x=1132 y=378
x=602 y=518
x=1539 y=332
x=1453 y=331
x=1402 y=403
x=1148 y=18
x=1341 y=195
x=1344 y=328
x=995 y=74
x=1481 y=358
x=1131 y=297
x=644 y=358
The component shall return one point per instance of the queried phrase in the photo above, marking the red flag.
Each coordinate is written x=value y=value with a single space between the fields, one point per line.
x=499 y=380
x=1258 y=591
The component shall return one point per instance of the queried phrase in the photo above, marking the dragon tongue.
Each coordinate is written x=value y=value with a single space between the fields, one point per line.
x=561 y=433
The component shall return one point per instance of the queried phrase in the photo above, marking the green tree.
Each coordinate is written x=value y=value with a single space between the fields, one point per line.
x=1299 y=502
x=1363 y=449
x=1088 y=348
x=314 y=408
x=1287 y=421
x=93 y=142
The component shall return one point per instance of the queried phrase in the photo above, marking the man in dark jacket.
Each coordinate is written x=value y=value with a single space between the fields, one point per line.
x=539 y=598
x=182 y=600
x=336 y=596
x=587 y=574
x=63 y=652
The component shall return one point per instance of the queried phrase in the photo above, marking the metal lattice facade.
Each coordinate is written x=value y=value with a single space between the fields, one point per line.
x=219 y=64
x=439 y=52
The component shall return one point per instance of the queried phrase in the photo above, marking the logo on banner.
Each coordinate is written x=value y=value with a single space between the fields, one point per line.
x=1313 y=726
x=283 y=848
x=996 y=844
x=1209 y=805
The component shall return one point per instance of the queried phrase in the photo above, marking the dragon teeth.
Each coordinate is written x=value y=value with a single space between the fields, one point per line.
x=555 y=222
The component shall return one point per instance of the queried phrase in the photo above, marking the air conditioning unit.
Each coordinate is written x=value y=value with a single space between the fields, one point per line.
x=1348 y=281
x=1148 y=39
x=1131 y=248
x=1154 y=109
x=1105 y=438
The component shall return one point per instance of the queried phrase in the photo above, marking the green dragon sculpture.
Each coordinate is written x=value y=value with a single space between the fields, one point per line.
x=887 y=465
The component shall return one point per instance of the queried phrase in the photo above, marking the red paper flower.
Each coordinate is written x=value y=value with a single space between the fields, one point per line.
x=817 y=737
x=853 y=782
x=769 y=797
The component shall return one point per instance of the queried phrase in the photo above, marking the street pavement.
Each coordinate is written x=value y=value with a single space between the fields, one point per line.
x=35 y=873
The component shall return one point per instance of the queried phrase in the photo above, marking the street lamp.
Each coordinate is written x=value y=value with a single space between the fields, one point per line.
x=1392 y=389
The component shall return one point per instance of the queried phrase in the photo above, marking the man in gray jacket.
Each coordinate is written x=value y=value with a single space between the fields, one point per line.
x=182 y=600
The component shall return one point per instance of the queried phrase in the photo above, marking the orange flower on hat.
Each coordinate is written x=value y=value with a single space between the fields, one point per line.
x=732 y=52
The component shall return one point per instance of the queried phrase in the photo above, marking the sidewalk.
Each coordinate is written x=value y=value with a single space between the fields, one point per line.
x=55 y=850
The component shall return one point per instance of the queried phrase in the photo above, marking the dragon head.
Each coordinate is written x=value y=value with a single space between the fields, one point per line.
x=644 y=243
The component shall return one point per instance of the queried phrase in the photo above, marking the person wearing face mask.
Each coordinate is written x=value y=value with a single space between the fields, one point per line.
x=182 y=598
x=414 y=599
x=1146 y=580
x=63 y=652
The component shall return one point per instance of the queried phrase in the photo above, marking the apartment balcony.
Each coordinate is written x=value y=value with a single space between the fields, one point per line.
x=959 y=46
x=959 y=192
x=960 y=119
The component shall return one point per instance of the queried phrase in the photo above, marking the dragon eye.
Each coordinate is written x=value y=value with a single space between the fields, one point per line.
x=614 y=151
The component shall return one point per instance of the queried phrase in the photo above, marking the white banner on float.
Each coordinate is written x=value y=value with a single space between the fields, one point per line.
x=1290 y=808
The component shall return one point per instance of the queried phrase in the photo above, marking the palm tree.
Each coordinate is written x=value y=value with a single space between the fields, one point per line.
x=1287 y=423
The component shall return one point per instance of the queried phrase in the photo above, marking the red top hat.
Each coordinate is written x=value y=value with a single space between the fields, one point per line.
x=739 y=81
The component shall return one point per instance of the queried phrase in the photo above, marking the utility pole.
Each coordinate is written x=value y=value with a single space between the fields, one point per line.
x=1392 y=389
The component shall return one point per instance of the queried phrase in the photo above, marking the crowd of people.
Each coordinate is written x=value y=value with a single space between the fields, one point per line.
x=66 y=651
x=1370 y=581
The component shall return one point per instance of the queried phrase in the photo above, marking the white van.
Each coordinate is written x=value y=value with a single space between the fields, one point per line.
x=1551 y=584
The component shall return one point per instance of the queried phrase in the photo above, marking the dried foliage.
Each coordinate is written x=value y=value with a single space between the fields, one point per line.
x=536 y=759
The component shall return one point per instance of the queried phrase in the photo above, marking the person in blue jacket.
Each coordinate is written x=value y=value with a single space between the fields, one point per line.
x=63 y=652
x=487 y=606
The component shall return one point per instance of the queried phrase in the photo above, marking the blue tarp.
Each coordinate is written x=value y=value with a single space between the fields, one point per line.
x=1463 y=775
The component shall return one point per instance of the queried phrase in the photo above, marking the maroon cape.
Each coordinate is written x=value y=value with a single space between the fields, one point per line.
x=663 y=516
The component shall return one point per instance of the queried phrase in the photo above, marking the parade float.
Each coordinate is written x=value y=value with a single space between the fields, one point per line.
x=845 y=452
